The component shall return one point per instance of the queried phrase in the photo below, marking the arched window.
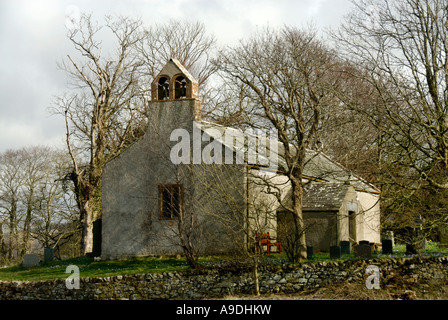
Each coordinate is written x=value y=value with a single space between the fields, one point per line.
x=163 y=88
x=180 y=88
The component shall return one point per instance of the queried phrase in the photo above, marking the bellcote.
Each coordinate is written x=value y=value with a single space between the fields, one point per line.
x=174 y=82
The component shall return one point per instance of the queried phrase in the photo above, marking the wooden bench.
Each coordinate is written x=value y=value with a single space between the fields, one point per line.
x=266 y=241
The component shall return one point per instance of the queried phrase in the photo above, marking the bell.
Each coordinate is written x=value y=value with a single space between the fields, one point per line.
x=183 y=91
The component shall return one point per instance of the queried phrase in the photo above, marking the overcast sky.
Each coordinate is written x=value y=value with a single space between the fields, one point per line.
x=33 y=39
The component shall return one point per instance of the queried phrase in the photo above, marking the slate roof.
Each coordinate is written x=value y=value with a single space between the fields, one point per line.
x=324 y=196
x=318 y=166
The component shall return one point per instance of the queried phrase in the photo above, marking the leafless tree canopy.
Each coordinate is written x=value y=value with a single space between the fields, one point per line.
x=401 y=46
x=283 y=79
x=187 y=42
x=34 y=205
x=399 y=49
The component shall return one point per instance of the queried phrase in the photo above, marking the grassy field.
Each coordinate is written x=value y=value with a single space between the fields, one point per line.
x=90 y=268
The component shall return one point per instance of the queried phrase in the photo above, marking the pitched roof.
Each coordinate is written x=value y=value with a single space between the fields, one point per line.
x=318 y=166
x=324 y=196
x=168 y=69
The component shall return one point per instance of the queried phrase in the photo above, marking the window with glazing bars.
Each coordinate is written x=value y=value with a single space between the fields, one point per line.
x=170 y=201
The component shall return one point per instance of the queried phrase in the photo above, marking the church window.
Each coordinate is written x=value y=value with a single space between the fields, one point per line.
x=170 y=201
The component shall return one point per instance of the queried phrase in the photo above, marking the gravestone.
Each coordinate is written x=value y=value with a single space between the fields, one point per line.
x=387 y=246
x=345 y=247
x=443 y=235
x=363 y=251
x=415 y=240
x=388 y=235
x=411 y=249
x=309 y=252
x=97 y=237
x=48 y=254
x=335 y=252
x=364 y=242
x=30 y=260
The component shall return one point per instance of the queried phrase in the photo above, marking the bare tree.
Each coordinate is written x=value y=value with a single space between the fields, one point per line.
x=55 y=218
x=185 y=41
x=402 y=46
x=282 y=80
x=104 y=113
x=34 y=161
x=240 y=212
x=400 y=50
x=30 y=179
x=11 y=178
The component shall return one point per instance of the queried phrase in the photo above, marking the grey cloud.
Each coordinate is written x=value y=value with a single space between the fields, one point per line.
x=33 y=40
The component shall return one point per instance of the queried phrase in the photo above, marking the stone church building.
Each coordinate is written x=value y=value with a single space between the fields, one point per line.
x=159 y=197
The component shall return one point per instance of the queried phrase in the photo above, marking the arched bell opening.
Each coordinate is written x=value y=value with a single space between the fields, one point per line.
x=180 y=87
x=163 y=88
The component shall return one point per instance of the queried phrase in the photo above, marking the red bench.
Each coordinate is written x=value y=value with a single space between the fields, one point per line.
x=266 y=241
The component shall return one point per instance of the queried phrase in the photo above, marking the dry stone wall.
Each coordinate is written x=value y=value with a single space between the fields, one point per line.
x=216 y=283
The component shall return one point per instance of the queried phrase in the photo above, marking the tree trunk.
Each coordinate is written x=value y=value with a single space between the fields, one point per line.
x=13 y=242
x=2 y=245
x=11 y=239
x=91 y=229
x=89 y=208
x=256 y=279
x=190 y=250
x=27 y=224
x=299 y=242
x=87 y=229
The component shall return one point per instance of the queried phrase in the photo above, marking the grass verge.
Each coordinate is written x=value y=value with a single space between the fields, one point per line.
x=88 y=267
